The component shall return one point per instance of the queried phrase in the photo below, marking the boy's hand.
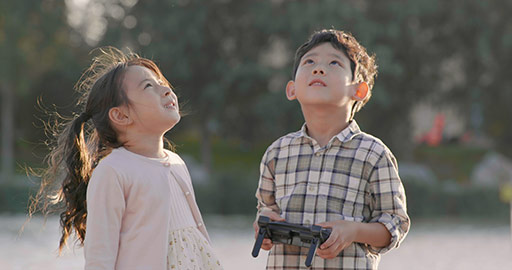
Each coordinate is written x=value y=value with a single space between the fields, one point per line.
x=342 y=235
x=267 y=243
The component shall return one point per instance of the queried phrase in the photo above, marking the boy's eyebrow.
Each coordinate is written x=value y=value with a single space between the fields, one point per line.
x=336 y=56
x=315 y=54
x=309 y=55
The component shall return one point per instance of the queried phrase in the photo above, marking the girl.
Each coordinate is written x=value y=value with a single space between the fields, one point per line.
x=129 y=200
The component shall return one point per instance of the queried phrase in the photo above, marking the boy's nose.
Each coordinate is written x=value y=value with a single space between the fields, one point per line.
x=318 y=70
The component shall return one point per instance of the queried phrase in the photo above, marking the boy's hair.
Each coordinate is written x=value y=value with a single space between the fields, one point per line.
x=363 y=66
x=82 y=143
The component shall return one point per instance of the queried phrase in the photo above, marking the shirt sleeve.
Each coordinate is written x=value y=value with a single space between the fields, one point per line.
x=105 y=208
x=388 y=201
x=266 y=186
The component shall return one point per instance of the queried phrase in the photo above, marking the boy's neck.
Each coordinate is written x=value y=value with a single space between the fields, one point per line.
x=324 y=123
x=146 y=145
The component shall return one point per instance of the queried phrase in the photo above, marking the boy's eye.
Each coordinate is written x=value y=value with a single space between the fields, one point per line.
x=308 y=61
x=336 y=63
x=147 y=85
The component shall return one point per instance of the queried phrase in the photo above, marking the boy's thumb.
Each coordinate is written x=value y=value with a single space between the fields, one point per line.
x=274 y=216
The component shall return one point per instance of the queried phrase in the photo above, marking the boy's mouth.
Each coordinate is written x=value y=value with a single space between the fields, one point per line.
x=317 y=82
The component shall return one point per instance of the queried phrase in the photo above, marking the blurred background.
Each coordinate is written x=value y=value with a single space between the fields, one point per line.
x=440 y=103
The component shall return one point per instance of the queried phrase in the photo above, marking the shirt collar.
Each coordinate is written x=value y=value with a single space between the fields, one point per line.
x=344 y=136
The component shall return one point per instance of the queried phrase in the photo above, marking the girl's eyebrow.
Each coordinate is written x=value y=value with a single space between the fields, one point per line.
x=143 y=81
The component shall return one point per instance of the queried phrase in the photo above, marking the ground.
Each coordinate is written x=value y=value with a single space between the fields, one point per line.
x=429 y=245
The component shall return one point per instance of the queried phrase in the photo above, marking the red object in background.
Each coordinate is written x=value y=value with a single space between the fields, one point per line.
x=434 y=136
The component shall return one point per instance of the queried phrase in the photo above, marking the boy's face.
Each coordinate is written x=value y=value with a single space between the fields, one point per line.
x=324 y=78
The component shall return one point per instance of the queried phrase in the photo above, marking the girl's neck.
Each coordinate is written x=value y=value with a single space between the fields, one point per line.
x=146 y=145
x=324 y=124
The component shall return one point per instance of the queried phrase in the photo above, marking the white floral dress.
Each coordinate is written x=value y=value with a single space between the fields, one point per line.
x=188 y=249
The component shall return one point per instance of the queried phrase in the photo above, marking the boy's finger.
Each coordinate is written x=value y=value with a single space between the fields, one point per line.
x=266 y=244
x=330 y=241
x=327 y=224
x=324 y=253
x=329 y=253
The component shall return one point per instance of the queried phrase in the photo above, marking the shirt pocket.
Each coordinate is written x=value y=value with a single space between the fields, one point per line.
x=344 y=197
x=287 y=187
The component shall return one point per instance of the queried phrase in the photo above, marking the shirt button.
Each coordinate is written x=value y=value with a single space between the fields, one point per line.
x=311 y=188
x=307 y=222
x=167 y=164
x=317 y=154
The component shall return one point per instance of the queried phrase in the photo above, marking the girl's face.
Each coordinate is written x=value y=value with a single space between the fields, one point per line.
x=153 y=105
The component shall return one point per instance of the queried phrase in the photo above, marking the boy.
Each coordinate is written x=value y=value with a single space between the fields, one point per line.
x=330 y=173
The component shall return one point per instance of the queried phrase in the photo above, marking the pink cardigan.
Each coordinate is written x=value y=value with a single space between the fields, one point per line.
x=132 y=203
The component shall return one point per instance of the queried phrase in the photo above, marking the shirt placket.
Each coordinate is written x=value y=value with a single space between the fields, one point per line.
x=311 y=193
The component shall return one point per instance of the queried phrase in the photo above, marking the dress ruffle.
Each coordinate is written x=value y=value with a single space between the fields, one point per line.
x=189 y=250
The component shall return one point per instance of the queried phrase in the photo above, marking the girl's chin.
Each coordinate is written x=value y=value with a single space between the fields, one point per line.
x=174 y=120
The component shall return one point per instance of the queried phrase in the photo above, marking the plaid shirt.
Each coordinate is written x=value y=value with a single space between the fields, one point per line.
x=354 y=177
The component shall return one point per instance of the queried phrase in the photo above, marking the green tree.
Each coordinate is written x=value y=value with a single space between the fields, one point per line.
x=32 y=37
x=210 y=51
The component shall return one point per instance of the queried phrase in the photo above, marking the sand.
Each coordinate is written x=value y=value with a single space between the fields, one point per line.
x=438 y=245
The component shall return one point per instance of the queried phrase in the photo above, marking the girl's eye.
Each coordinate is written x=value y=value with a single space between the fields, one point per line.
x=147 y=85
x=336 y=63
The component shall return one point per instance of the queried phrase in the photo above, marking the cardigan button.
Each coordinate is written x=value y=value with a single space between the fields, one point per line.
x=199 y=224
x=187 y=193
x=167 y=164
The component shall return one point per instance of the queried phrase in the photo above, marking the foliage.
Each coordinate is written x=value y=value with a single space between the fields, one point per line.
x=37 y=60
x=451 y=200
x=450 y=162
x=230 y=192
x=230 y=60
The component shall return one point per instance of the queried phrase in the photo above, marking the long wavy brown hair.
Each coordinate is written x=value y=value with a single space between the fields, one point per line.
x=78 y=143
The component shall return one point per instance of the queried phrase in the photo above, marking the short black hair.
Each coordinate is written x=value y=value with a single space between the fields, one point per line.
x=324 y=36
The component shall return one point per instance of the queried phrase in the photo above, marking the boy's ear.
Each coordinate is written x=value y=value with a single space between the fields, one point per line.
x=361 y=91
x=290 y=90
x=119 y=116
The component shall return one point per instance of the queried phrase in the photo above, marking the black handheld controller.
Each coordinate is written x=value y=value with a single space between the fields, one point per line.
x=291 y=234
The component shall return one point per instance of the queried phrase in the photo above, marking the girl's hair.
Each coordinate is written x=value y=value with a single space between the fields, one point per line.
x=81 y=143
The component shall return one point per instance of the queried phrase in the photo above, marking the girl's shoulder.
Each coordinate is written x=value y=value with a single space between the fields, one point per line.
x=173 y=157
x=115 y=159
x=111 y=163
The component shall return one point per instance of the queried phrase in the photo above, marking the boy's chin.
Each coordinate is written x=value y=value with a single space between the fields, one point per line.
x=320 y=104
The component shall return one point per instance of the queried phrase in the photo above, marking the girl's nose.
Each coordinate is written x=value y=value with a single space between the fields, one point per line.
x=167 y=91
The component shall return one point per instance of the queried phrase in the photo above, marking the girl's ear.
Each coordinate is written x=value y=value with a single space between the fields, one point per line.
x=119 y=116
x=290 y=90
x=361 y=91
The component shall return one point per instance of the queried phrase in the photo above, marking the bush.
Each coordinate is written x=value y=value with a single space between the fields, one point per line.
x=228 y=192
x=14 y=198
x=453 y=200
